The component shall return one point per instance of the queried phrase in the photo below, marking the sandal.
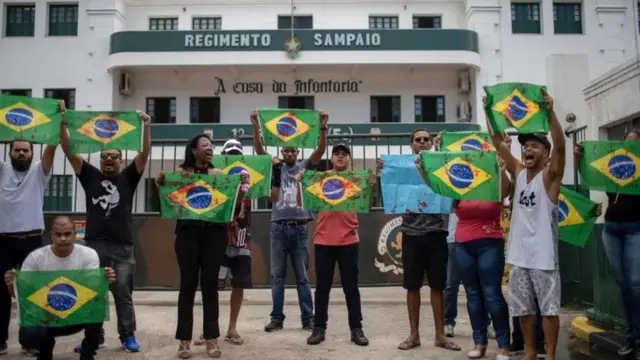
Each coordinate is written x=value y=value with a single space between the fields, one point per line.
x=448 y=345
x=213 y=349
x=234 y=338
x=409 y=344
x=184 y=350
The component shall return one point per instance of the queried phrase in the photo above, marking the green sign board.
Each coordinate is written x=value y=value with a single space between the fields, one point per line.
x=300 y=40
x=355 y=134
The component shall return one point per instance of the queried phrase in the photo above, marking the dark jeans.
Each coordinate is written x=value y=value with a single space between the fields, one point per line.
x=290 y=241
x=516 y=337
x=199 y=251
x=14 y=251
x=347 y=259
x=622 y=244
x=119 y=256
x=43 y=339
x=481 y=267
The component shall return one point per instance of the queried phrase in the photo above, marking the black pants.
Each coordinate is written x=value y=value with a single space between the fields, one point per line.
x=200 y=251
x=44 y=339
x=347 y=259
x=13 y=251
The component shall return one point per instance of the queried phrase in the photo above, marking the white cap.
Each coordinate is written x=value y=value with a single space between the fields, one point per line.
x=230 y=145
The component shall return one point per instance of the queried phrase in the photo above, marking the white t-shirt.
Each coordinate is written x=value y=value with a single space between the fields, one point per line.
x=21 y=198
x=42 y=259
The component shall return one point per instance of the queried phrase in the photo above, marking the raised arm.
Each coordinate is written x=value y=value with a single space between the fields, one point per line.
x=505 y=181
x=258 y=146
x=143 y=156
x=317 y=154
x=513 y=165
x=423 y=175
x=555 y=170
x=75 y=160
x=49 y=153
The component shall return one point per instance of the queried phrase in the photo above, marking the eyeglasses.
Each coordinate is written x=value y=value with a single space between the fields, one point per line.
x=422 y=139
x=105 y=156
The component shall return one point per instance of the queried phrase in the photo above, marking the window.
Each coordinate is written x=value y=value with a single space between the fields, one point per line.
x=206 y=23
x=383 y=22
x=163 y=24
x=205 y=110
x=385 y=109
x=17 y=92
x=427 y=22
x=68 y=95
x=58 y=196
x=567 y=18
x=299 y=22
x=20 y=20
x=429 y=109
x=162 y=110
x=525 y=18
x=296 y=102
x=152 y=200
x=63 y=20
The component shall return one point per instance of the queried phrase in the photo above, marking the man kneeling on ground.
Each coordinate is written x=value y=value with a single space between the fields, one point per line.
x=62 y=254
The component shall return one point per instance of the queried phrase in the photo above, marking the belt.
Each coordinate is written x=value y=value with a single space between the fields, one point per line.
x=291 y=222
x=22 y=234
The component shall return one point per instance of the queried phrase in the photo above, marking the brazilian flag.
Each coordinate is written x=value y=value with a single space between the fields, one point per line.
x=295 y=128
x=62 y=297
x=29 y=119
x=336 y=191
x=466 y=141
x=517 y=105
x=257 y=167
x=576 y=217
x=611 y=166
x=464 y=175
x=199 y=197
x=91 y=131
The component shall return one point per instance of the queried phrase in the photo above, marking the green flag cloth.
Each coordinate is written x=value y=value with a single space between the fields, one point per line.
x=576 y=217
x=295 y=128
x=465 y=175
x=199 y=197
x=466 y=141
x=91 y=131
x=258 y=167
x=62 y=297
x=517 y=105
x=25 y=118
x=611 y=166
x=336 y=191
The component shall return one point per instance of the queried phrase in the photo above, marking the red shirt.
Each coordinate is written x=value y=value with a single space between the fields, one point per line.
x=239 y=230
x=336 y=228
x=478 y=220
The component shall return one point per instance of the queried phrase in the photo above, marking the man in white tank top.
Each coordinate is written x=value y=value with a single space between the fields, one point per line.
x=533 y=239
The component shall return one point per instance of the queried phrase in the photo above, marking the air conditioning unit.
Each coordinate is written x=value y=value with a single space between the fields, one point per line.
x=464 y=82
x=464 y=111
x=125 y=83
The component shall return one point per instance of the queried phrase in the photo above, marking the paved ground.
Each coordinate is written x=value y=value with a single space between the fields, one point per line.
x=385 y=325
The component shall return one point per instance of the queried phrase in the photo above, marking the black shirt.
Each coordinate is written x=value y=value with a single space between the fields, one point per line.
x=182 y=224
x=622 y=208
x=109 y=202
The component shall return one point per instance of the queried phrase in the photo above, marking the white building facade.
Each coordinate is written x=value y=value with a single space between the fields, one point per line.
x=376 y=66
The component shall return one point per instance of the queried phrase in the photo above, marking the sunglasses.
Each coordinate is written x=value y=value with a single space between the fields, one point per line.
x=422 y=139
x=105 y=156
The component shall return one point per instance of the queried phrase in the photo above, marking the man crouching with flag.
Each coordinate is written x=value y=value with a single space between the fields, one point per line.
x=336 y=240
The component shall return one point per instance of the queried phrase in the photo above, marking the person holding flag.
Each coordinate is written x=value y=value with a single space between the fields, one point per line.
x=532 y=249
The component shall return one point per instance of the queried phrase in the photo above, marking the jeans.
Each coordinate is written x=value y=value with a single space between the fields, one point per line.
x=481 y=267
x=14 y=251
x=199 y=251
x=119 y=256
x=622 y=244
x=290 y=241
x=43 y=338
x=347 y=258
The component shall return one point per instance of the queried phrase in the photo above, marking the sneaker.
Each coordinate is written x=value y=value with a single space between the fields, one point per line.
x=129 y=344
x=29 y=352
x=357 y=337
x=516 y=349
x=491 y=333
x=200 y=341
x=78 y=348
x=3 y=349
x=307 y=325
x=317 y=336
x=448 y=331
x=273 y=326
x=626 y=348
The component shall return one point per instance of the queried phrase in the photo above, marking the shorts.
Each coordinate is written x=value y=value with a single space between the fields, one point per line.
x=240 y=268
x=527 y=285
x=425 y=254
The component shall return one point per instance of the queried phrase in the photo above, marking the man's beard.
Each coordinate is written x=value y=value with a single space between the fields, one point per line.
x=20 y=164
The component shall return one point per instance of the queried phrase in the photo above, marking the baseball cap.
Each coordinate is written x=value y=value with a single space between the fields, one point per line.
x=341 y=146
x=539 y=137
x=231 y=145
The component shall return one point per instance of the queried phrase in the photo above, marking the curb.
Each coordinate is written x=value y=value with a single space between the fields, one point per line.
x=582 y=329
x=225 y=301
